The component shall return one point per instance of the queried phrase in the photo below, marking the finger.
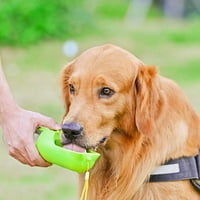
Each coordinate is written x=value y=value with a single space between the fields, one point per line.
x=21 y=159
x=47 y=122
x=17 y=150
x=14 y=152
x=18 y=155
x=34 y=157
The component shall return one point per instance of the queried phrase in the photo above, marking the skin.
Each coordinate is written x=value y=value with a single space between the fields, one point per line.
x=18 y=126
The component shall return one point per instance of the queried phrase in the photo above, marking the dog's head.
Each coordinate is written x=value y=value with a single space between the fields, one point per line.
x=107 y=91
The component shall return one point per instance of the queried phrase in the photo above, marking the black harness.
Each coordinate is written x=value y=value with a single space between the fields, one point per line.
x=186 y=168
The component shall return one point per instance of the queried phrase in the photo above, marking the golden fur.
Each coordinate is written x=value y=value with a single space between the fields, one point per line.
x=146 y=122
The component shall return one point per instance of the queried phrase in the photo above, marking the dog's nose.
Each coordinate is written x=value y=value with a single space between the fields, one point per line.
x=72 y=130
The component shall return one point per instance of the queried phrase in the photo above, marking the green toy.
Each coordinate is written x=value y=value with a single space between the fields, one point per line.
x=51 y=149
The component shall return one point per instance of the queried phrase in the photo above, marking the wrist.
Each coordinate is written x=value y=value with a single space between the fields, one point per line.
x=7 y=103
x=7 y=110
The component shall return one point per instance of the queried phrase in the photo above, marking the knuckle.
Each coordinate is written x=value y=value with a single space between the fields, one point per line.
x=37 y=161
x=15 y=149
x=32 y=164
x=12 y=151
x=34 y=160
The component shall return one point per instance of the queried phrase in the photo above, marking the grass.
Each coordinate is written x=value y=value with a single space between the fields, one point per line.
x=33 y=75
x=22 y=182
x=186 y=74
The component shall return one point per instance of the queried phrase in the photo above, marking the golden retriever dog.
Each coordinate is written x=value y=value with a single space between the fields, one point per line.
x=136 y=119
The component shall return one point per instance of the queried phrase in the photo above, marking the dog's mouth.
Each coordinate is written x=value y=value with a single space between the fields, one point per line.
x=74 y=147
x=77 y=147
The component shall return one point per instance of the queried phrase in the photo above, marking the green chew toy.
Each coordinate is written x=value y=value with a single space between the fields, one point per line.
x=51 y=149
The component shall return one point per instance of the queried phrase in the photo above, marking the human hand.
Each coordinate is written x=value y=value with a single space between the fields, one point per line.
x=18 y=127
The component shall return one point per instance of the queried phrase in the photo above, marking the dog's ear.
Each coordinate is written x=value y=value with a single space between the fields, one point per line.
x=150 y=100
x=65 y=75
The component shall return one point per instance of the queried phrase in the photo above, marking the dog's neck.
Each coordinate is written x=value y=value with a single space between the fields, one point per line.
x=111 y=173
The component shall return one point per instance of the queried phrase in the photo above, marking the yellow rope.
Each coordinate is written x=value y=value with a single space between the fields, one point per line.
x=85 y=187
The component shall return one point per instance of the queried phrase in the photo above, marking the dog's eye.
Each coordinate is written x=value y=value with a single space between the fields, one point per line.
x=106 y=92
x=71 y=89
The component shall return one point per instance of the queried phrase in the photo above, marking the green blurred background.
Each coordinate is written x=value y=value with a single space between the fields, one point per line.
x=165 y=33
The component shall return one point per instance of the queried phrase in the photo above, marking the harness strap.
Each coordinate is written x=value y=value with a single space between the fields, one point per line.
x=178 y=169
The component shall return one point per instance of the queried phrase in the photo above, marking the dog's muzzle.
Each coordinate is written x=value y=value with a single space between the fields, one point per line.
x=72 y=130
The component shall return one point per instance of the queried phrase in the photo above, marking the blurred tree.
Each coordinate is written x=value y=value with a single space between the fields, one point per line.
x=138 y=9
x=180 y=8
x=25 y=22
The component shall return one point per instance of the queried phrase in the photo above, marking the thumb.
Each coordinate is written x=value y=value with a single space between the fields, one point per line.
x=47 y=122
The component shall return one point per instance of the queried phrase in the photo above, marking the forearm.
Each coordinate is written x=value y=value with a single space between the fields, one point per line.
x=7 y=103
